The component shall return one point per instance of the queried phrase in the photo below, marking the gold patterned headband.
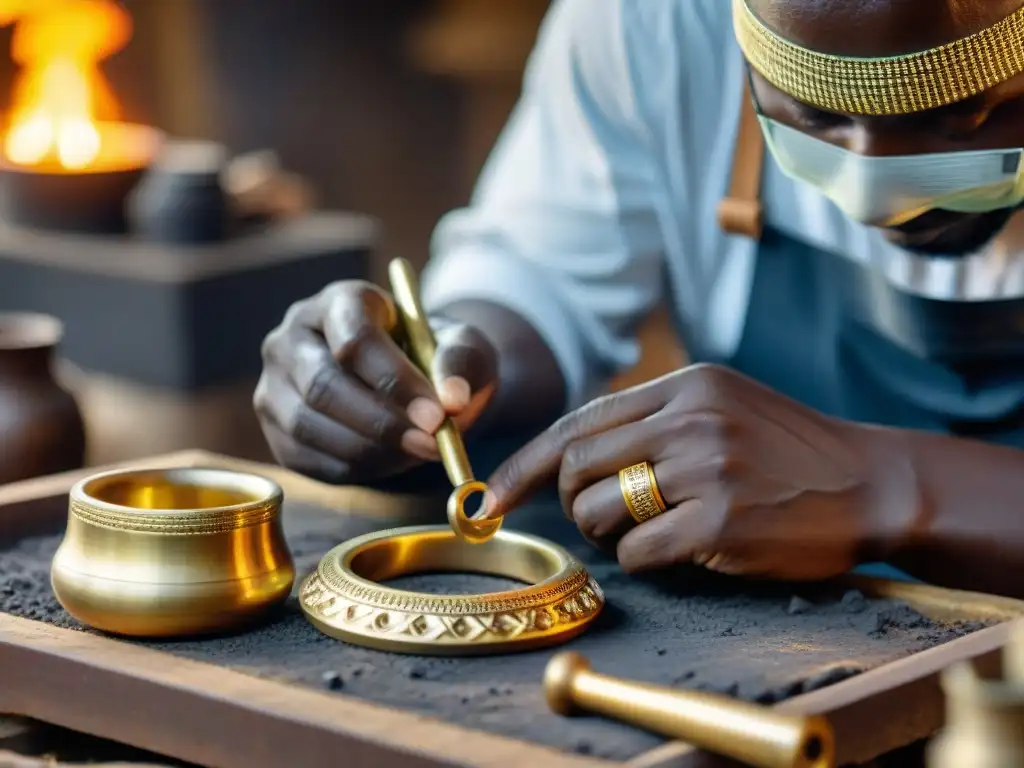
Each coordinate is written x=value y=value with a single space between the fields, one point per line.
x=893 y=85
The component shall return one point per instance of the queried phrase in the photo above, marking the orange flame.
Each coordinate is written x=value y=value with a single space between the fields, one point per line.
x=60 y=92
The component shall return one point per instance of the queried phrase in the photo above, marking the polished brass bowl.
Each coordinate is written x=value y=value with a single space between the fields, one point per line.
x=344 y=598
x=172 y=552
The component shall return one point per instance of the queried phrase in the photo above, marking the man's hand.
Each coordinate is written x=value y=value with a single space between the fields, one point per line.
x=338 y=399
x=756 y=483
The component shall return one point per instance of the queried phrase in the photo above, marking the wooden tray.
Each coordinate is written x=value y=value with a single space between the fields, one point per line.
x=212 y=716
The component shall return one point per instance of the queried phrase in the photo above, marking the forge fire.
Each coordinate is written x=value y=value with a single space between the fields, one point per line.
x=63 y=115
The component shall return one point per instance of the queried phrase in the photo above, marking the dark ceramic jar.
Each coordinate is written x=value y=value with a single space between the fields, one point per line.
x=180 y=200
x=41 y=427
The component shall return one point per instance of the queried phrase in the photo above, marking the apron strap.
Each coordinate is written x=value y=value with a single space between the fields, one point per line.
x=741 y=212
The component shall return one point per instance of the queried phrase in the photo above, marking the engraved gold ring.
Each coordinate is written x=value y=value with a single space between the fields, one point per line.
x=344 y=597
x=640 y=491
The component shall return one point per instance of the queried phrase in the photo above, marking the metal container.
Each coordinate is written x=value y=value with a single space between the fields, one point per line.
x=172 y=552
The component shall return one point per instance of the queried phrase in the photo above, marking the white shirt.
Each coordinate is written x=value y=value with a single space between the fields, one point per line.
x=605 y=184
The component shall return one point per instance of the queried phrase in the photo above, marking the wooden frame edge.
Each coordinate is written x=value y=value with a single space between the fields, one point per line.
x=856 y=699
x=373 y=732
x=941 y=602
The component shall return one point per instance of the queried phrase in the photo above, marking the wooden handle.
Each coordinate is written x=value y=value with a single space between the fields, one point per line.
x=740 y=212
x=741 y=217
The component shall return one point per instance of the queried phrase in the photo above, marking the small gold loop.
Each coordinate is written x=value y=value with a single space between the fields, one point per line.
x=640 y=491
x=471 y=531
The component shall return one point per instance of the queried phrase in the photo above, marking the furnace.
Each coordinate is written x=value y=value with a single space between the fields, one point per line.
x=136 y=241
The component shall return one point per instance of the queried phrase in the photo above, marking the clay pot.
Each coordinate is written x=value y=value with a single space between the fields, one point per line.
x=41 y=428
x=180 y=200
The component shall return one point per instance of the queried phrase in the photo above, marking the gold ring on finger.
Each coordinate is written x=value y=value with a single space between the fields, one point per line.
x=640 y=491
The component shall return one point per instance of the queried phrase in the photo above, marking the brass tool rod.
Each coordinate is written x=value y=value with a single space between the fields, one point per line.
x=422 y=348
x=752 y=734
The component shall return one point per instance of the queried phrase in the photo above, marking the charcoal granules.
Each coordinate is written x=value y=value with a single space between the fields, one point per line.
x=685 y=629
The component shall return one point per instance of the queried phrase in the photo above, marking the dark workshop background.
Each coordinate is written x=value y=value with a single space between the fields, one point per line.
x=387 y=108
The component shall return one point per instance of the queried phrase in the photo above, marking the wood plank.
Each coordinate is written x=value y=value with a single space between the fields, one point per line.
x=208 y=715
x=875 y=712
x=941 y=603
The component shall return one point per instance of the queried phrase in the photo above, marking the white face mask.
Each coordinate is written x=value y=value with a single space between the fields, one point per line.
x=889 y=191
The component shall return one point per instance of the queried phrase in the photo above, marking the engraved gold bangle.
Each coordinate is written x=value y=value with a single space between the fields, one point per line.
x=640 y=491
x=344 y=597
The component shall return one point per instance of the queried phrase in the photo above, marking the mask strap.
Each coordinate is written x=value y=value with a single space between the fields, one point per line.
x=741 y=211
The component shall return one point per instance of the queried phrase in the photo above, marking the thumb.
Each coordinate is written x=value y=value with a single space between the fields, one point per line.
x=465 y=370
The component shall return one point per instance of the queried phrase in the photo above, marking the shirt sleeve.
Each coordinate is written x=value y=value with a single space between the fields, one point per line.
x=562 y=228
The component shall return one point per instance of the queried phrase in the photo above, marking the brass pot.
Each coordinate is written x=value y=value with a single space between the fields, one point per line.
x=170 y=552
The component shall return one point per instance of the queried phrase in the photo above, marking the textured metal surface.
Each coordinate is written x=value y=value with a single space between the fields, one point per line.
x=344 y=598
x=172 y=552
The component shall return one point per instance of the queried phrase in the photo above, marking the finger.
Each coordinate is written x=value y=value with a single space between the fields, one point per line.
x=354 y=300
x=325 y=388
x=599 y=458
x=304 y=460
x=286 y=410
x=367 y=350
x=465 y=366
x=672 y=538
x=538 y=461
x=600 y=512
x=728 y=564
x=689 y=438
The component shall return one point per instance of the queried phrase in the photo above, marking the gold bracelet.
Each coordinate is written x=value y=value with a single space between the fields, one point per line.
x=344 y=599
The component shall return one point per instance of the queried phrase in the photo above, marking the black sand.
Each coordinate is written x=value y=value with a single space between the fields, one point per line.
x=685 y=629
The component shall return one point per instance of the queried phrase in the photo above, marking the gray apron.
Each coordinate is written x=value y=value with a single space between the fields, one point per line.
x=818 y=330
x=835 y=335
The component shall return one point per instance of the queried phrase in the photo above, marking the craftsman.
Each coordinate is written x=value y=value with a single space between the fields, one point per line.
x=858 y=320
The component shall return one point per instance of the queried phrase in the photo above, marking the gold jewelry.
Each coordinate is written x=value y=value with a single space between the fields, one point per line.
x=156 y=553
x=423 y=347
x=891 y=85
x=640 y=490
x=343 y=599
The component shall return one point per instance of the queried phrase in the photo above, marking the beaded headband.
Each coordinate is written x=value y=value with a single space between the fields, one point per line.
x=892 y=85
